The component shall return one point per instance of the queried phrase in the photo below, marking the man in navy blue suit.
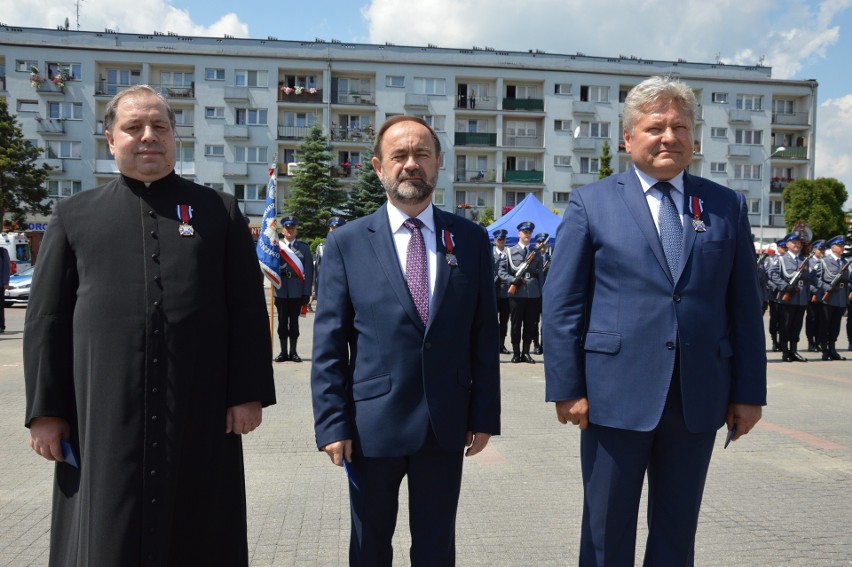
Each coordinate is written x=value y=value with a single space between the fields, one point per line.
x=405 y=360
x=654 y=347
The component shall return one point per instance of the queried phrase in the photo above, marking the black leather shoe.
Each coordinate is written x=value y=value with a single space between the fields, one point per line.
x=796 y=357
x=516 y=359
x=813 y=348
x=787 y=357
x=826 y=356
x=295 y=357
x=281 y=358
x=776 y=347
x=834 y=355
x=504 y=350
x=538 y=350
x=527 y=358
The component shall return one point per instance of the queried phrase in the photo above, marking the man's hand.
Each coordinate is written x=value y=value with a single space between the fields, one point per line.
x=744 y=417
x=45 y=435
x=338 y=451
x=573 y=411
x=475 y=442
x=243 y=418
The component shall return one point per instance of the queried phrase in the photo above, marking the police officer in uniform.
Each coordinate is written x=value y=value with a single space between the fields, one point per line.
x=814 y=312
x=771 y=263
x=499 y=253
x=830 y=267
x=791 y=310
x=294 y=291
x=525 y=302
x=541 y=239
x=332 y=223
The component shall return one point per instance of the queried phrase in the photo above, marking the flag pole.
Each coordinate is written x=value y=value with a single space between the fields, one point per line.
x=268 y=252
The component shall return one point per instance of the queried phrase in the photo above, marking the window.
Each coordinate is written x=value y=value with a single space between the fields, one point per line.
x=437 y=122
x=514 y=197
x=438 y=197
x=521 y=128
x=250 y=154
x=561 y=196
x=63 y=149
x=25 y=65
x=472 y=126
x=751 y=137
x=562 y=88
x=185 y=152
x=250 y=192
x=65 y=110
x=250 y=78
x=590 y=165
x=299 y=119
x=720 y=98
x=214 y=150
x=747 y=171
x=749 y=102
x=27 y=105
x=782 y=106
x=394 y=81
x=754 y=206
x=718 y=132
x=718 y=167
x=63 y=188
x=216 y=186
x=214 y=112
x=522 y=91
x=73 y=71
x=119 y=79
x=562 y=125
x=594 y=129
x=776 y=207
x=521 y=163
x=176 y=79
x=591 y=93
x=251 y=116
x=562 y=161
x=429 y=86
x=304 y=81
x=347 y=86
x=214 y=74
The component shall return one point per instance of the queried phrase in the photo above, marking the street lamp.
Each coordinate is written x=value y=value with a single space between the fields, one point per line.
x=763 y=194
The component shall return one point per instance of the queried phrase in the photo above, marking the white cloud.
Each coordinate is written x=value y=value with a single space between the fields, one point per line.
x=833 y=156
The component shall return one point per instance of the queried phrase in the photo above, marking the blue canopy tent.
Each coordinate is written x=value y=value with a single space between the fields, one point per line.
x=530 y=209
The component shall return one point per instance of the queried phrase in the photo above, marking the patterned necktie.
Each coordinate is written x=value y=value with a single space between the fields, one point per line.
x=416 y=273
x=671 y=227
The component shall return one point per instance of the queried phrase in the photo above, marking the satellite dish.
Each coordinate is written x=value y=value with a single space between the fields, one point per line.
x=577 y=132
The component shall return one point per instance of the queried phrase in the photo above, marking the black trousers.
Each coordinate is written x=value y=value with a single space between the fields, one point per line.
x=525 y=311
x=774 y=319
x=813 y=316
x=289 y=309
x=792 y=317
x=831 y=318
x=503 y=311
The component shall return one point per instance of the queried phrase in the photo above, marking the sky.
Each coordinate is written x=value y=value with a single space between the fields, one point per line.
x=799 y=39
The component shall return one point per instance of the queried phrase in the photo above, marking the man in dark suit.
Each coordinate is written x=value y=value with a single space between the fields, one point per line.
x=652 y=347
x=405 y=361
x=297 y=280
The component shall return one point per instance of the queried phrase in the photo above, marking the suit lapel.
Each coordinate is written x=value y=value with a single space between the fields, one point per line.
x=443 y=221
x=691 y=188
x=634 y=198
x=381 y=239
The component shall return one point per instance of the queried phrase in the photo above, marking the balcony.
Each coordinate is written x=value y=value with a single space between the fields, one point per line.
x=106 y=166
x=48 y=88
x=523 y=141
x=476 y=139
x=103 y=88
x=50 y=125
x=55 y=164
x=293 y=132
x=342 y=133
x=185 y=168
x=184 y=131
x=512 y=176
x=240 y=94
x=239 y=169
x=790 y=119
x=236 y=131
x=738 y=115
x=777 y=184
x=533 y=104
x=416 y=100
x=739 y=150
x=475 y=176
x=796 y=152
x=480 y=103
x=587 y=144
x=300 y=95
x=584 y=107
x=365 y=97
x=175 y=91
x=2 y=83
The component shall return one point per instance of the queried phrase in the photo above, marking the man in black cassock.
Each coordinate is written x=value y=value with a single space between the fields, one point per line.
x=147 y=350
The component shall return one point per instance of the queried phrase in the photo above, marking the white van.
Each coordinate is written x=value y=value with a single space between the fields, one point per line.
x=18 y=247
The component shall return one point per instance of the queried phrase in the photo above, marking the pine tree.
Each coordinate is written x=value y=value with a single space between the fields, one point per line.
x=817 y=202
x=367 y=194
x=22 y=190
x=606 y=158
x=315 y=194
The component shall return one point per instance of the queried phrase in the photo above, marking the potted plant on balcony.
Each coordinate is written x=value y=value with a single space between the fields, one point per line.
x=287 y=90
x=60 y=77
x=345 y=169
x=35 y=77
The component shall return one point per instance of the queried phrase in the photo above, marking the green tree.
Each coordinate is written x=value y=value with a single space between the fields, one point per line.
x=315 y=194
x=22 y=190
x=606 y=158
x=367 y=193
x=817 y=202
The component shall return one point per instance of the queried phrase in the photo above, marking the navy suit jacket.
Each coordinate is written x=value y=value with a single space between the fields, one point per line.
x=614 y=317
x=380 y=377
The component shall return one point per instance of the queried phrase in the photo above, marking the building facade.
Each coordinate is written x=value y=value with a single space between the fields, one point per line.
x=511 y=123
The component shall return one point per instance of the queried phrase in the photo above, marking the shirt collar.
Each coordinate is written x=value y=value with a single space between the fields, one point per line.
x=397 y=217
x=647 y=181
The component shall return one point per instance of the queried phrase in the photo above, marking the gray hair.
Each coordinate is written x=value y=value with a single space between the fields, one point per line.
x=112 y=106
x=658 y=90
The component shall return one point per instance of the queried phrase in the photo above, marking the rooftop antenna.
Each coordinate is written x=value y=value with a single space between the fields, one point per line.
x=77 y=3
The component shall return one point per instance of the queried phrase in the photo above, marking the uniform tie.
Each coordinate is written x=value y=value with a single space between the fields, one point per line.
x=416 y=273
x=671 y=227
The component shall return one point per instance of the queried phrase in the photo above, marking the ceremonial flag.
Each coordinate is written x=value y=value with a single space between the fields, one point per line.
x=267 y=241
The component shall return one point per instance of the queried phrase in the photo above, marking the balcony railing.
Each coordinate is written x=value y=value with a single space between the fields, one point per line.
x=739 y=115
x=175 y=91
x=536 y=104
x=55 y=164
x=103 y=88
x=512 y=176
x=476 y=139
x=342 y=133
x=106 y=166
x=293 y=132
x=790 y=119
x=185 y=130
x=365 y=97
x=185 y=168
x=777 y=184
x=739 y=150
x=236 y=131
x=796 y=152
x=475 y=176
x=523 y=141
x=585 y=143
x=237 y=93
x=584 y=107
x=486 y=103
x=413 y=100
x=238 y=169
x=302 y=95
x=50 y=125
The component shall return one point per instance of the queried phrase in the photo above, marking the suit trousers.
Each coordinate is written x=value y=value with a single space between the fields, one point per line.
x=434 y=484
x=813 y=321
x=289 y=309
x=614 y=464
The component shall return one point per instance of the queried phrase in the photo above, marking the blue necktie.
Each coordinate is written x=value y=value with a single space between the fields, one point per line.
x=416 y=272
x=671 y=227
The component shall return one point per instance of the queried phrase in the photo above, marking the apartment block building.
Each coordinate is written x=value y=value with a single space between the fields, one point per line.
x=511 y=123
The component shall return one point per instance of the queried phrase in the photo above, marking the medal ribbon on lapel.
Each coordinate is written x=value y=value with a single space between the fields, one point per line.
x=696 y=207
x=449 y=244
x=184 y=213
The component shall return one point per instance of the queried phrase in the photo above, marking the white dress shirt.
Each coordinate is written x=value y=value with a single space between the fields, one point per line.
x=653 y=196
x=401 y=236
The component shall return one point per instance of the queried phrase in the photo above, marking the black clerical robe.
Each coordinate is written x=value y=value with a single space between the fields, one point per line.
x=141 y=333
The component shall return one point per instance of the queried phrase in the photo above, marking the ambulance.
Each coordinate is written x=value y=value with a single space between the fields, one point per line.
x=18 y=247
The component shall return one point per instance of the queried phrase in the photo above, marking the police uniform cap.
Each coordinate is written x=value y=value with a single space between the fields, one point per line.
x=289 y=221
x=526 y=225
x=792 y=236
x=839 y=239
x=818 y=244
x=500 y=233
x=336 y=221
x=541 y=237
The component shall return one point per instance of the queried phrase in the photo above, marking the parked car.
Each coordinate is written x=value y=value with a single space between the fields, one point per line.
x=19 y=287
